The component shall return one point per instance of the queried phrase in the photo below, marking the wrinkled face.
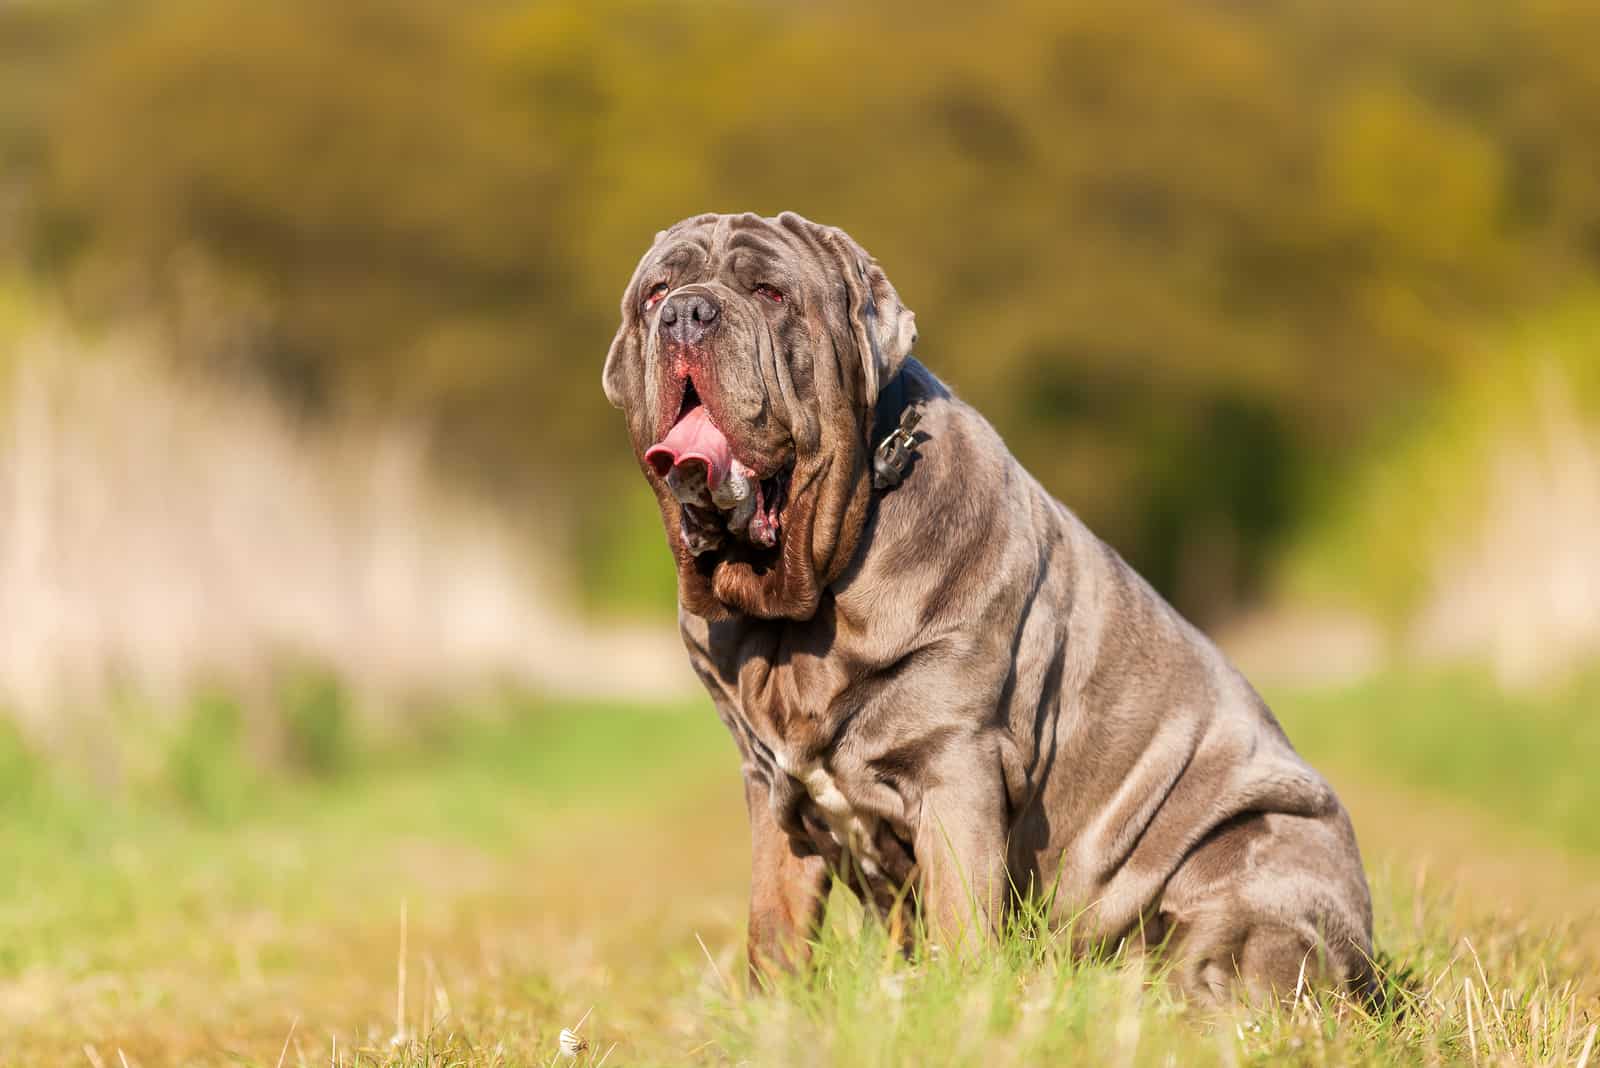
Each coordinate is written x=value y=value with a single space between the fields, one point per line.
x=748 y=361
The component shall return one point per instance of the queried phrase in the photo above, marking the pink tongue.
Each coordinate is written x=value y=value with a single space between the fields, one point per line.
x=695 y=437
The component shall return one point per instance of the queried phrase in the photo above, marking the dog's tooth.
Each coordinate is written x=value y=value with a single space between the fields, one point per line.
x=743 y=512
x=735 y=489
x=748 y=502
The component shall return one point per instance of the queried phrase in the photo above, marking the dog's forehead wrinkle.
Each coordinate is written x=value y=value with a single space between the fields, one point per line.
x=748 y=267
x=787 y=250
x=755 y=240
x=720 y=231
x=683 y=254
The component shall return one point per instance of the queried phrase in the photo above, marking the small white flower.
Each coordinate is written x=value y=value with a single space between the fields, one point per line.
x=571 y=1044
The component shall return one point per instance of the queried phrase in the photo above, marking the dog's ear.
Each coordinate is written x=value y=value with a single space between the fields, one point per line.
x=884 y=330
x=624 y=353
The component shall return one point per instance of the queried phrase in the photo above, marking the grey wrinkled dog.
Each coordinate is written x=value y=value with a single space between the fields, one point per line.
x=935 y=674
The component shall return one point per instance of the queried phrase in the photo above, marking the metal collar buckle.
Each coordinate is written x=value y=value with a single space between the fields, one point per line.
x=893 y=457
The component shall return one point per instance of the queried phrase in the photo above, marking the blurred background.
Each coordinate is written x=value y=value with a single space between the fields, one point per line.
x=303 y=307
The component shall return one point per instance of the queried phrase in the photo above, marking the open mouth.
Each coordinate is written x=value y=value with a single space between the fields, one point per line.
x=718 y=495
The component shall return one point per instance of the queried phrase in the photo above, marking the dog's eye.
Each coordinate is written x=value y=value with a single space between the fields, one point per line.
x=658 y=291
x=772 y=293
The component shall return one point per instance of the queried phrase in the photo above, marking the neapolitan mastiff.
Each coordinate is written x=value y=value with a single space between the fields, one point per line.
x=936 y=676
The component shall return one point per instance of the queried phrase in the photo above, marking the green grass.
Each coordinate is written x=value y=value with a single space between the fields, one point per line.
x=107 y=867
x=1534 y=763
x=538 y=864
x=1031 y=1002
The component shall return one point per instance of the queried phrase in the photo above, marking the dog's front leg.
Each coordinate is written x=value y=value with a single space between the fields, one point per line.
x=788 y=889
x=961 y=847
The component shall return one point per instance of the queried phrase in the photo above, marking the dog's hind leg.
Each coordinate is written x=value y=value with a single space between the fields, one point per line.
x=1267 y=907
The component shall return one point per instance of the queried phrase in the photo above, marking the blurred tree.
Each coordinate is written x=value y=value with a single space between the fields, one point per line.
x=1185 y=255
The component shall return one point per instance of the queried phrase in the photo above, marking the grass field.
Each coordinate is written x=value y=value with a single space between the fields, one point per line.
x=459 y=899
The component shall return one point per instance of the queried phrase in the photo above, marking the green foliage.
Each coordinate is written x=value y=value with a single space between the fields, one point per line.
x=1137 y=234
x=314 y=711
x=19 y=768
x=1371 y=539
x=624 y=567
x=207 y=767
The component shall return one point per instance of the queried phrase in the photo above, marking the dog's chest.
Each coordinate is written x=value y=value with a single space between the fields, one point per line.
x=852 y=827
x=782 y=748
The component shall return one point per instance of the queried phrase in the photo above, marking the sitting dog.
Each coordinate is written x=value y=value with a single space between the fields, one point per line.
x=936 y=676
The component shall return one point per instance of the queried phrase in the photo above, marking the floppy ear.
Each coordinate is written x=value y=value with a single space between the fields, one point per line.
x=625 y=346
x=614 y=378
x=885 y=329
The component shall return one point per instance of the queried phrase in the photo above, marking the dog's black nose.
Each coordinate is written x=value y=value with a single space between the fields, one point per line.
x=688 y=318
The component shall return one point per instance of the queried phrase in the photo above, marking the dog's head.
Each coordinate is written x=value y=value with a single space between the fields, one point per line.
x=748 y=364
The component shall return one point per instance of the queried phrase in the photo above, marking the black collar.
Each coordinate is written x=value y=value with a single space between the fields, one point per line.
x=894 y=423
